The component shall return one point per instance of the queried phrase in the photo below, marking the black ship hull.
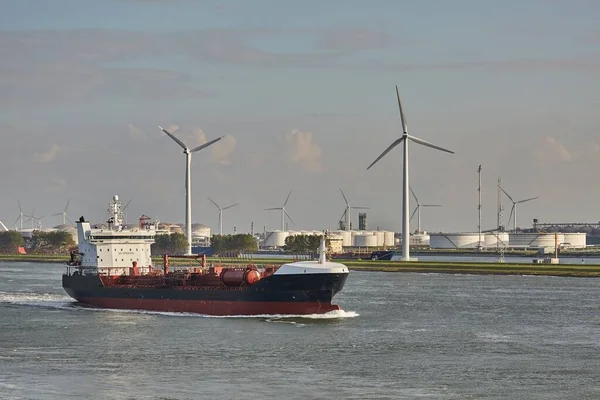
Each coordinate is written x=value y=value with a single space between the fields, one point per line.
x=276 y=294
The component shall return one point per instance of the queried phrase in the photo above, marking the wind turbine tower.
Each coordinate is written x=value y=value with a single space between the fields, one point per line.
x=284 y=213
x=346 y=214
x=479 y=243
x=188 y=182
x=404 y=139
x=20 y=218
x=418 y=210
x=513 y=210
x=221 y=214
x=65 y=217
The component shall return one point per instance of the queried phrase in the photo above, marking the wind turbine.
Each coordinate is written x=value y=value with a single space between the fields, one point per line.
x=221 y=214
x=34 y=220
x=405 y=196
x=418 y=209
x=65 y=217
x=513 y=210
x=347 y=211
x=283 y=212
x=188 y=182
x=20 y=218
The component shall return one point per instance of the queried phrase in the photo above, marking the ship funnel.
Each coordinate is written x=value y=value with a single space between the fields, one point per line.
x=323 y=250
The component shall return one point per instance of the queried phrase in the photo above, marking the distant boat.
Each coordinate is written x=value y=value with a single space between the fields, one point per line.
x=382 y=255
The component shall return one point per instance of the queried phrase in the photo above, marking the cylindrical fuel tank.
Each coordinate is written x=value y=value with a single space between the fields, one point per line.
x=252 y=276
x=236 y=277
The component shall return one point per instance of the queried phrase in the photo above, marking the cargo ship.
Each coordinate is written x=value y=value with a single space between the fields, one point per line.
x=112 y=268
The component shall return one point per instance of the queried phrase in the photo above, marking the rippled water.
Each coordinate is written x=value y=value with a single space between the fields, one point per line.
x=402 y=335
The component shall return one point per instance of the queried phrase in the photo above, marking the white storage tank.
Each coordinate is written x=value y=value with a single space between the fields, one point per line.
x=276 y=238
x=380 y=238
x=200 y=230
x=491 y=239
x=453 y=240
x=346 y=236
x=526 y=240
x=365 y=240
x=574 y=240
x=388 y=238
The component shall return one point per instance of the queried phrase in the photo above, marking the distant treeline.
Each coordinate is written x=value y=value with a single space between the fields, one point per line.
x=55 y=242
x=233 y=244
x=302 y=243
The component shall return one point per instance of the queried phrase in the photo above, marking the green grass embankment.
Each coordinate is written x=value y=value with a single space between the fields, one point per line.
x=579 y=270
x=41 y=258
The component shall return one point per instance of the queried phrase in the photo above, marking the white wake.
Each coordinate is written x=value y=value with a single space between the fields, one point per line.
x=63 y=302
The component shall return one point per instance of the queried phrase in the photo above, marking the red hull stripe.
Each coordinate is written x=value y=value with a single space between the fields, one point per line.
x=213 y=307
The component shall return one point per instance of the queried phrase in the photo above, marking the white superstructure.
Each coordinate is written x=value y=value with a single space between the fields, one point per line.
x=314 y=267
x=113 y=250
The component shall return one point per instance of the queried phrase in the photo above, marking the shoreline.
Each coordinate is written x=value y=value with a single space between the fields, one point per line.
x=440 y=267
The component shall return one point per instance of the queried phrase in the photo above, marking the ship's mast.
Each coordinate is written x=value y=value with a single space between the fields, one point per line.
x=115 y=214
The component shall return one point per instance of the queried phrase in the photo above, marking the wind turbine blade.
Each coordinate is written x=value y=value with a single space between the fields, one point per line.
x=413 y=214
x=69 y=219
x=402 y=117
x=396 y=143
x=179 y=142
x=231 y=206
x=274 y=208
x=512 y=209
x=431 y=205
x=523 y=201
x=425 y=143
x=205 y=145
x=16 y=220
x=20 y=209
x=341 y=218
x=344 y=196
x=507 y=195
x=216 y=205
x=414 y=195
x=288 y=215
x=286 y=200
x=126 y=205
x=67 y=206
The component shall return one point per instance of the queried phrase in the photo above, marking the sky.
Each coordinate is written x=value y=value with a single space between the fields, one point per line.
x=303 y=95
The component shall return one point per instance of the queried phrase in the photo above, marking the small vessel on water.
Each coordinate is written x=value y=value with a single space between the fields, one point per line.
x=112 y=268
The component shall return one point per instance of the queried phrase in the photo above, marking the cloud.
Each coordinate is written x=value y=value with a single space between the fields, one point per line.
x=134 y=131
x=48 y=155
x=89 y=62
x=551 y=151
x=198 y=136
x=57 y=183
x=353 y=39
x=172 y=128
x=588 y=64
x=221 y=150
x=303 y=151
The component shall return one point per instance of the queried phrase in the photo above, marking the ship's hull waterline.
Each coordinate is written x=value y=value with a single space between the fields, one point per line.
x=289 y=294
